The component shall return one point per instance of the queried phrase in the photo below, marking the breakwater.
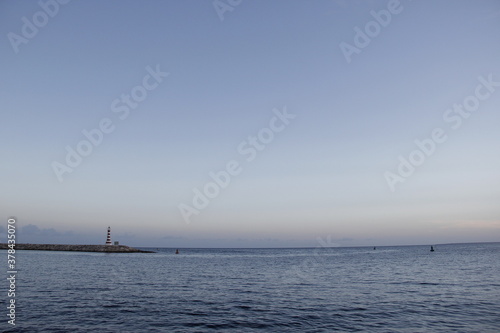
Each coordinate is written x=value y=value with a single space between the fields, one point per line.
x=78 y=248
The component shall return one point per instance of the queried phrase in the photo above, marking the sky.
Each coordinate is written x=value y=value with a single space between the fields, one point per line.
x=250 y=123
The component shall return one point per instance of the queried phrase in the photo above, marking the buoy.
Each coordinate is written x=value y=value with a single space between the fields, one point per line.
x=177 y=251
x=432 y=248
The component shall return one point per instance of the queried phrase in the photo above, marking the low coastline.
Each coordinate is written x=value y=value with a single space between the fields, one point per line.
x=76 y=248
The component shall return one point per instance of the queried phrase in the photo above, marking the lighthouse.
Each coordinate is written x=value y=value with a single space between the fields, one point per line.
x=108 y=239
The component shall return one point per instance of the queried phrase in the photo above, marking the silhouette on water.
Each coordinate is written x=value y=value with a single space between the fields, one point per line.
x=432 y=248
x=177 y=251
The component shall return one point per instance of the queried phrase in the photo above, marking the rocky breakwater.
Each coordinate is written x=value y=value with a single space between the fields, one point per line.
x=78 y=248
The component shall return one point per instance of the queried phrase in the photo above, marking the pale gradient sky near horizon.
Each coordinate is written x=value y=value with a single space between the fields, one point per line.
x=322 y=176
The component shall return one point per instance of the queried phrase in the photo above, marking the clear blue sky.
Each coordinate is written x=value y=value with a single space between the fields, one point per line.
x=322 y=175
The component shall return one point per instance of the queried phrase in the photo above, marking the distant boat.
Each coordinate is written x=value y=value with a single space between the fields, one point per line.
x=432 y=248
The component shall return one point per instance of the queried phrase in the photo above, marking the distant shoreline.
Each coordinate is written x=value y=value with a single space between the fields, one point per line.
x=76 y=248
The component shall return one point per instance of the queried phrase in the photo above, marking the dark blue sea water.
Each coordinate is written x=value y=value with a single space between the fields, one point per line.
x=390 y=289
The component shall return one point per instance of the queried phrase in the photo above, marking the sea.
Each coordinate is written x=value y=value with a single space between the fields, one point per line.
x=456 y=288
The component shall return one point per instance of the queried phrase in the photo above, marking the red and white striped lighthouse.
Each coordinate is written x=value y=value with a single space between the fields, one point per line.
x=108 y=239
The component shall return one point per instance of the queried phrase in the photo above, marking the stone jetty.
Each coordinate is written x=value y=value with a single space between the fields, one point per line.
x=79 y=248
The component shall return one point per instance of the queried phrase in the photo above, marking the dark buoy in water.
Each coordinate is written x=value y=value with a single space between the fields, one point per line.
x=374 y=248
x=177 y=251
x=432 y=248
